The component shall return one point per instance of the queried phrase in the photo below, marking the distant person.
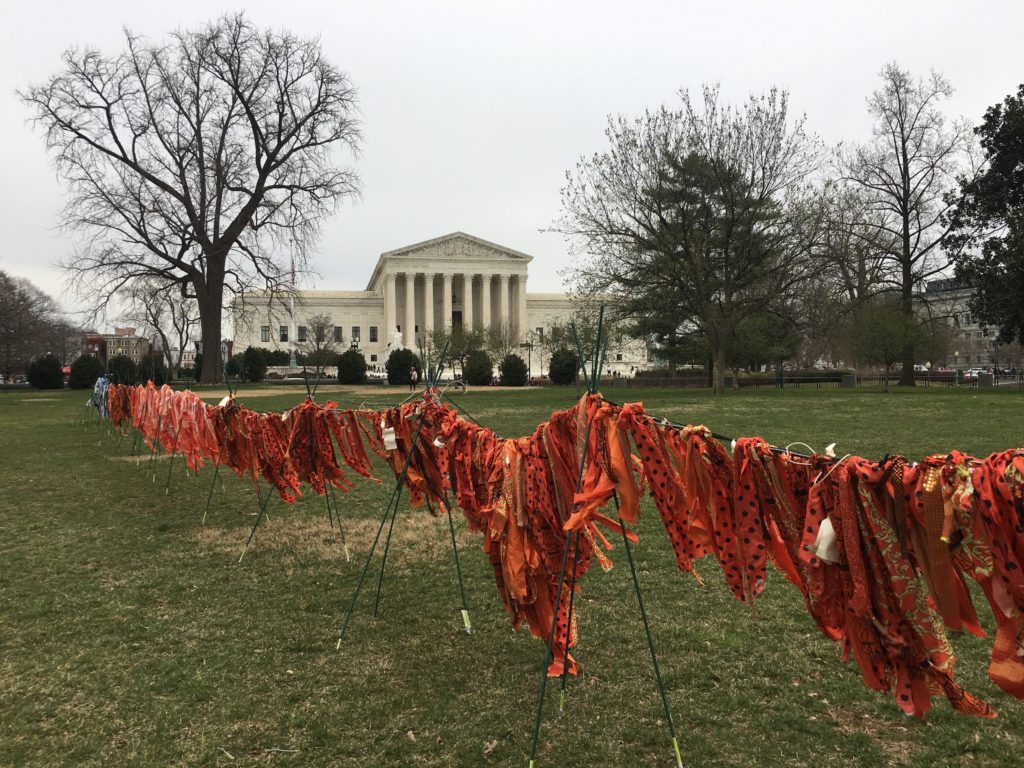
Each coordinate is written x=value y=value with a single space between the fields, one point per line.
x=414 y=378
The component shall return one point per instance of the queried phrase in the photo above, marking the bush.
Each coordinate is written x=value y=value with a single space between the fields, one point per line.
x=197 y=366
x=512 y=371
x=121 y=370
x=234 y=365
x=254 y=364
x=351 y=367
x=84 y=372
x=399 y=363
x=152 y=368
x=275 y=356
x=46 y=372
x=563 y=367
x=478 y=370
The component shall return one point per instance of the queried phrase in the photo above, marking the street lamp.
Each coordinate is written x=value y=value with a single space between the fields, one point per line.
x=956 y=357
x=528 y=346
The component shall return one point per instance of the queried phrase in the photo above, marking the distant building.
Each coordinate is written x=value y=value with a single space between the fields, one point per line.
x=972 y=346
x=453 y=280
x=123 y=341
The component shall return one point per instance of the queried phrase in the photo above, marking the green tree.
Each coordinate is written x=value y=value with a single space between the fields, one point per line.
x=234 y=365
x=352 y=367
x=701 y=214
x=461 y=341
x=563 y=366
x=989 y=220
x=479 y=371
x=254 y=367
x=84 y=372
x=763 y=339
x=512 y=371
x=121 y=369
x=882 y=331
x=153 y=367
x=399 y=364
x=46 y=373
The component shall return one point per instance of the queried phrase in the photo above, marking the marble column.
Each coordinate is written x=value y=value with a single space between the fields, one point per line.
x=522 y=320
x=485 y=302
x=446 y=301
x=409 y=327
x=428 y=303
x=467 y=301
x=503 y=301
x=390 y=310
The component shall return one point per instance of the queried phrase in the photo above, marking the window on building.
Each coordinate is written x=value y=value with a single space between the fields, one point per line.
x=618 y=357
x=398 y=328
x=302 y=333
x=337 y=333
x=355 y=333
x=264 y=333
x=373 y=334
x=283 y=333
x=373 y=358
x=415 y=329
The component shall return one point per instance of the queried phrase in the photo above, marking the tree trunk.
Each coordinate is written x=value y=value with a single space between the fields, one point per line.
x=718 y=351
x=907 y=306
x=210 y=299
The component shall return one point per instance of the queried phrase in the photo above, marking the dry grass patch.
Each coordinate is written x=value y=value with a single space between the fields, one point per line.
x=417 y=538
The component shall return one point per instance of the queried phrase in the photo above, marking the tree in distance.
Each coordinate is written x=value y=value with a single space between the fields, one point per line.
x=512 y=371
x=904 y=176
x=399 y=365
x=352 y=367
x=254 y=366
x=195 y=160
x=701 y=213
x=320 y=347
x=479 y=371
x=563 y=366
x=883 y=331
x=45 y=372
x=989 y=220
x=84 y=372
x=121 y=369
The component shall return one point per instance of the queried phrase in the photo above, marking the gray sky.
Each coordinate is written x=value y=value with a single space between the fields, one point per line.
x=473 y=111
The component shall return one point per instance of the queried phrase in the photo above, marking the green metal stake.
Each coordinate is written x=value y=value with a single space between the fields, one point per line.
x=263 y=509
x=458 y=570
x=216 y=474
x=650 y=641
x=341 y=529
x=393 y=501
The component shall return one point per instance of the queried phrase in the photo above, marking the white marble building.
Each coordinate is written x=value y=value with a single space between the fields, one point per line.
x=450 y=280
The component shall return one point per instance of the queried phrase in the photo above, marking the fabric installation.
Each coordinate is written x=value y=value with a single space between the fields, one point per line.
x=881 y=551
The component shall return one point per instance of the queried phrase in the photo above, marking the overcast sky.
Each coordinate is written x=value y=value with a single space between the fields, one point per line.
x=473 y=111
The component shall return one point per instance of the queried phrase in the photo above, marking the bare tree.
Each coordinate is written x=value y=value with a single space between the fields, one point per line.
x=319 y=346
x=503 y=339
x=159 y=308
x=27 y=319
x=697 y=214
x=188 y=160
x=904 y=175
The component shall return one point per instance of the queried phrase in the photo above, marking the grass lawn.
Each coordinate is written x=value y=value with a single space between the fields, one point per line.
x=130 y=635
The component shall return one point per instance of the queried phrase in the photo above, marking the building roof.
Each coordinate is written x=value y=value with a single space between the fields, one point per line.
x=412 y=250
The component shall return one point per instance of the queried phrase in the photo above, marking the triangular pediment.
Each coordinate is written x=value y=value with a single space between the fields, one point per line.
x=448 y=252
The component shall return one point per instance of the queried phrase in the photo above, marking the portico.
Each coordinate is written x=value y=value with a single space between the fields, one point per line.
x=480 y=285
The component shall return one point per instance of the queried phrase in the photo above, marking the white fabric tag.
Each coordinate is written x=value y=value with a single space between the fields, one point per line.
x=825 y=545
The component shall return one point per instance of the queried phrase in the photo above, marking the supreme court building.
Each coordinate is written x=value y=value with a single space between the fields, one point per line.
x=452 y=280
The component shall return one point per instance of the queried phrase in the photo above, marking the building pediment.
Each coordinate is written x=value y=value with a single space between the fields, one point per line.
x=456 y=253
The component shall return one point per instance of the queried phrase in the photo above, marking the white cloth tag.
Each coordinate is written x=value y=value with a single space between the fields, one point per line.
x=826 y=546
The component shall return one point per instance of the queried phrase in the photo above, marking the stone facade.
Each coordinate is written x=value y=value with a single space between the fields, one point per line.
x=453 y=280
